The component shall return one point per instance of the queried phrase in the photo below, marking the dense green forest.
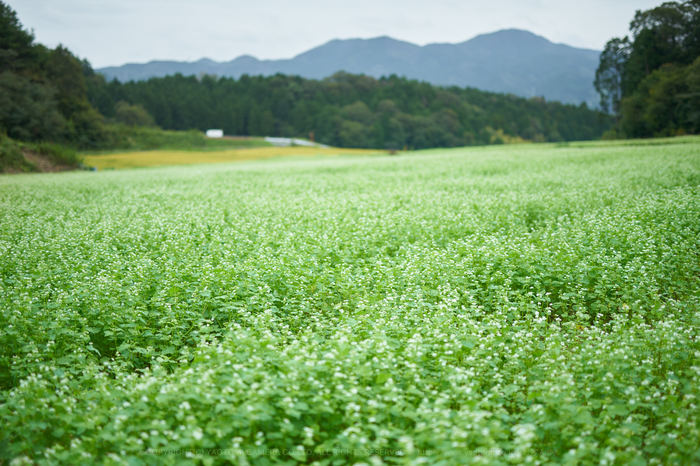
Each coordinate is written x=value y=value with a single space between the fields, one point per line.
x=650 y=80
x=42 y=91
x=44 y=108
x=350 y=110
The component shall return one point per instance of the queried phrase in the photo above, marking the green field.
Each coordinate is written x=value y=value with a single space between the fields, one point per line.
x=494 y=305
x=158 y=158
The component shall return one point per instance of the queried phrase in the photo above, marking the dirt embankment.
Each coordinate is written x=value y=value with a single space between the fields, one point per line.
x=37 y=163
x=45 y=164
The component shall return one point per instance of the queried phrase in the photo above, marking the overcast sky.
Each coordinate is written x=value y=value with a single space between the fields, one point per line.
x=114 y=32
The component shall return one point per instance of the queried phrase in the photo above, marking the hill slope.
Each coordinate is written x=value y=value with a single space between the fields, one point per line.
x=512 y=61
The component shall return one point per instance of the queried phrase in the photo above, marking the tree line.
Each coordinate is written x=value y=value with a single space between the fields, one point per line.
x=650 y=80
x=43 y=92
x=350 y=110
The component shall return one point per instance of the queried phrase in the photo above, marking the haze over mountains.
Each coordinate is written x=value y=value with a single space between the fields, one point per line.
x=510 y=61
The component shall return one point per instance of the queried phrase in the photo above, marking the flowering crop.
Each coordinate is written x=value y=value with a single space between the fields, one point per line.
x=524 y=304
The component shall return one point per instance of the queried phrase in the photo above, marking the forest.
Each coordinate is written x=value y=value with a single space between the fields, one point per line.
x=349 y=110
x=650 y=80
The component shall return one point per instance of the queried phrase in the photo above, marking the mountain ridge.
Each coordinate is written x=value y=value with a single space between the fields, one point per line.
x=511 y=61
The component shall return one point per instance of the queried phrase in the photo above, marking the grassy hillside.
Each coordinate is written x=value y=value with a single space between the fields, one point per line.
x=495 y=305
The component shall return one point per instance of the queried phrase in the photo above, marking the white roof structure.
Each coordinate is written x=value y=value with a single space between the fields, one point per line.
x=284 y=142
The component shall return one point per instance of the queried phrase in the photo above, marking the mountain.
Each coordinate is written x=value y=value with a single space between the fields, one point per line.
x=510 y=61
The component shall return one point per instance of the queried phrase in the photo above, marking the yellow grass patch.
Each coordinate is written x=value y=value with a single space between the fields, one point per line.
x=156 y=158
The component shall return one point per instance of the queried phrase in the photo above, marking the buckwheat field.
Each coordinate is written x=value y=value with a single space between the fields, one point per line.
x=500 y=305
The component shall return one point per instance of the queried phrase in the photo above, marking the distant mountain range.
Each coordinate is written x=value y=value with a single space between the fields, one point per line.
x=510 y=61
